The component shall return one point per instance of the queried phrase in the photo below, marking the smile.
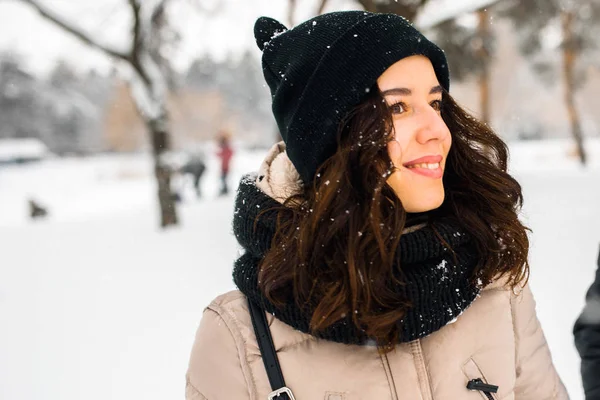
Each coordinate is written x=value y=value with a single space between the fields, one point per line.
x=429 y=170
x=428 y=166
x=425 y=165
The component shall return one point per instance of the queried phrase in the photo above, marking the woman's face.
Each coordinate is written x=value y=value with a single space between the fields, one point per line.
x=422 y=139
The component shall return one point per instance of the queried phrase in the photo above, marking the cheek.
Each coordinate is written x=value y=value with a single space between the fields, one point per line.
x=395 y=182
x=447 y=142
x=402 y=133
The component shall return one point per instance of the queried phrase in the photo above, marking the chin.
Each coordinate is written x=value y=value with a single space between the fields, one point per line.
x=423 y=205
x=419 y=199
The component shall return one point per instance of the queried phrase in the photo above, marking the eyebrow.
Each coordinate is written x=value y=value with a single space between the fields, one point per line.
x=408 y=92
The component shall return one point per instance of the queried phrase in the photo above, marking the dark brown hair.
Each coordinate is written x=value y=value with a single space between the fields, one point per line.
x=335 y=242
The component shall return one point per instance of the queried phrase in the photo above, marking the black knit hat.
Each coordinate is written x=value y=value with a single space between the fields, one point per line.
x=319 y=70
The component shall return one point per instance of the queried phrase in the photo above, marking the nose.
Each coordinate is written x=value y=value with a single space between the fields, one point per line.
x=431 y=126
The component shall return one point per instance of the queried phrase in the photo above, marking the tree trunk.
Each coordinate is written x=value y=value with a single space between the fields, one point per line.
x=322 y=7
x=291 y=11
x=160 y=144
x=569 y=58
x=157 y=119
x=484 y=57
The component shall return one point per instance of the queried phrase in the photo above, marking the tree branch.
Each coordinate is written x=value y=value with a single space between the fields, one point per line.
x=203 y=8
x=137 y=27
x=79 y=34
x=322 y=7
x=368 y=5
x=163 y=37
x=158 y=15
x=138 y=41
x=405 y=8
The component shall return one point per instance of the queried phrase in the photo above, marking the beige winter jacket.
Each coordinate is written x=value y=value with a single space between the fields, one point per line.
x=498 y=339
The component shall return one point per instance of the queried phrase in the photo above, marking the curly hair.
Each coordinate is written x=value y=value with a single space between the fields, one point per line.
x=336 y=242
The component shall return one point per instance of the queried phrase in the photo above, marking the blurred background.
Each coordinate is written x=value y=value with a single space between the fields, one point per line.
x=125 y=126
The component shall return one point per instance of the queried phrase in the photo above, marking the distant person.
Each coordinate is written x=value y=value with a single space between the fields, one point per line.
x=36 y=210
x=195 y=166
x=225 y=154
x=587 y=339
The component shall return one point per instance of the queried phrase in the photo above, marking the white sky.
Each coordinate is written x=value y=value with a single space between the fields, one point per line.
x=229 y=30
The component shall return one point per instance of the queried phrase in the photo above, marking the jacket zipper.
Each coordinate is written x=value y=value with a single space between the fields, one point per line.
x=478 y=384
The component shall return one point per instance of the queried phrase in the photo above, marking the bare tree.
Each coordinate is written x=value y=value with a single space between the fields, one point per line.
x=149 y=85
x=484 y=54
x=579 y=47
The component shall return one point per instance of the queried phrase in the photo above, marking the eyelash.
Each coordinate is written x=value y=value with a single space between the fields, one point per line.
x=436 y=105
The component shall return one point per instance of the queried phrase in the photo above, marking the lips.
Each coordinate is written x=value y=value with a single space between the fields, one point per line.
x=424 y=160
x=429 y=166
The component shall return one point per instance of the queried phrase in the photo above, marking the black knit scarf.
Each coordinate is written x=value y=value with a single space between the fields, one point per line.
x=438 y=287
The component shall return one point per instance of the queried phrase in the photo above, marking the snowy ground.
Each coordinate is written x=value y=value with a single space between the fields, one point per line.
x=97 y=303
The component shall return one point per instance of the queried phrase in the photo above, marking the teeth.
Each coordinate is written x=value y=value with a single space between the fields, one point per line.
x=425 y=165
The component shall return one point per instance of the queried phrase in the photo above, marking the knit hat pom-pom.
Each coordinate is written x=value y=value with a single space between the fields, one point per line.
x=265 y=29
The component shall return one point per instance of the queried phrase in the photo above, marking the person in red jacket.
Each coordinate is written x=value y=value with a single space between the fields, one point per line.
x=225 y=154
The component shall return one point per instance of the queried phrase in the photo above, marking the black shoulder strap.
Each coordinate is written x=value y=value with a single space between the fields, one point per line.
x=269 y=355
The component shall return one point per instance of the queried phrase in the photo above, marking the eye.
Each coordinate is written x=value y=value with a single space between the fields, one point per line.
x=398 y=108
x=436 y=105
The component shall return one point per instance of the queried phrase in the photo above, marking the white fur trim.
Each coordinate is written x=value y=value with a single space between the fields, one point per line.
x=277 y=176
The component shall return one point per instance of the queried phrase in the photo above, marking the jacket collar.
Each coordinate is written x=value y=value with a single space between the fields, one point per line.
x=277 y=176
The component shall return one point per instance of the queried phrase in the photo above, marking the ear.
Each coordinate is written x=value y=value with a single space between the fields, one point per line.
x=265 y=29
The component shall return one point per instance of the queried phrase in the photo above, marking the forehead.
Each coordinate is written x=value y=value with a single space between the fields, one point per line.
x=412 y=72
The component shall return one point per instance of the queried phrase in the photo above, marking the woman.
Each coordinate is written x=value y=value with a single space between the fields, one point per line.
x=381 y=240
